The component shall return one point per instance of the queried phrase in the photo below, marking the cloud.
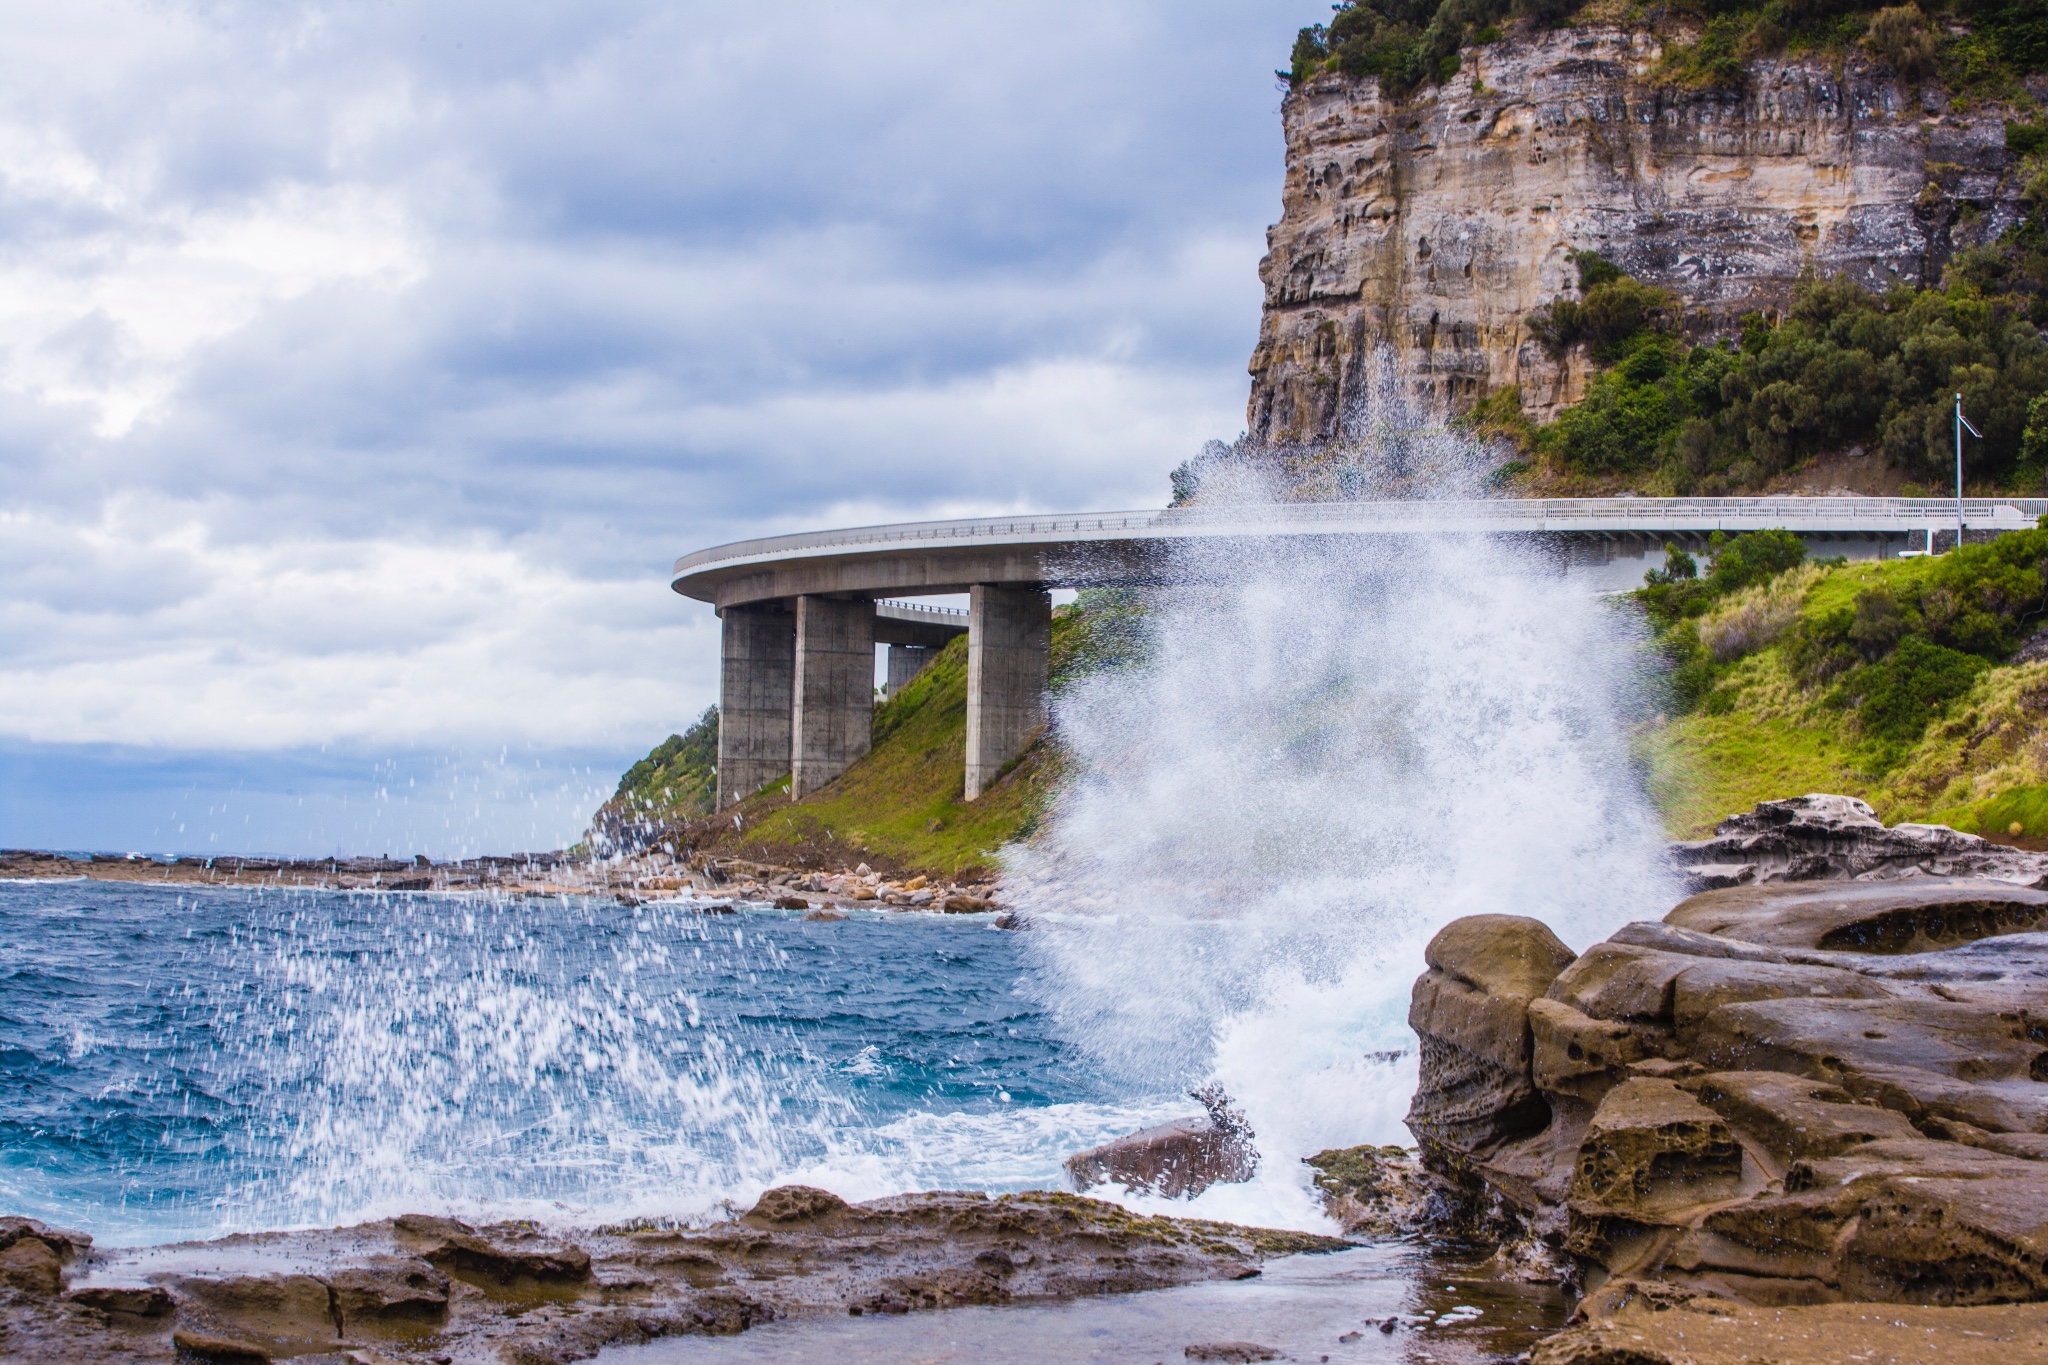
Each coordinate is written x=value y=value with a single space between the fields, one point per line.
x=363 y=368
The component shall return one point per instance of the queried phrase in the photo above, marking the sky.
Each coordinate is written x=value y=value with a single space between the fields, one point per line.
x=364 y=367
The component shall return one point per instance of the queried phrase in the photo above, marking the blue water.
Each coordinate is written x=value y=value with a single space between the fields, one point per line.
x=181 y=1062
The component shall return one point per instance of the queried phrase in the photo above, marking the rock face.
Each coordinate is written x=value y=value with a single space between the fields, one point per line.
x=1792 y=1093
x=1820 y=838
x=1436 y=225
x=421 y=1288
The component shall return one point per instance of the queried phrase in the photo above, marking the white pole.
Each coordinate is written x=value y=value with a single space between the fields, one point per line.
x=1959 y=471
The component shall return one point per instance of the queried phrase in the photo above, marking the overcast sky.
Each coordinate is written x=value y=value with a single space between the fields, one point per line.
x=364 y=366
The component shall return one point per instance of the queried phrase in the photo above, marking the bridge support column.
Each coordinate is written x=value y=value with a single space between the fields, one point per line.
x=754 y=694
x=834 y=717
x=905 y=663
x=1009 y=666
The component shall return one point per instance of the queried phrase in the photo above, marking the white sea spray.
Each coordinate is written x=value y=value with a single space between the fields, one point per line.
x=1333 y=747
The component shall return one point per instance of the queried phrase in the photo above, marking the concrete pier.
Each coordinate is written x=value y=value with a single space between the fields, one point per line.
x=1009 y=661
x=754 y=698
x=905 y=663
x=832 y=720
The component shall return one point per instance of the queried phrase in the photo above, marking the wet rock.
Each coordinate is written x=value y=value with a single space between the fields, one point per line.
x=214 y=1350
x=1378 y=1191
x=967 y=905
x=387 y=1296
x=800 y=1250
x=281 y=1314
x=1823 y=837
x=1708 y=1331
x=30 y=1265
x=796 y=1204
x=477 y=1260
x=1236 y=1352
x=791 y=903
x=1175 y=1159
x=137 y=1302
x=824 y=917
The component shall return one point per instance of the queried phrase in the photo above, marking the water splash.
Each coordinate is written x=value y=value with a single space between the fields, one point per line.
x=1333 y=747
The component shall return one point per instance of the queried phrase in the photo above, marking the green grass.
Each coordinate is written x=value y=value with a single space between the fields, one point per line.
x=1798 y=683
x=901 y=806
x=1705 y=768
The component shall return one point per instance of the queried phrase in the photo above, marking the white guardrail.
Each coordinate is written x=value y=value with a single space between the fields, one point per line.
x=1523 y=515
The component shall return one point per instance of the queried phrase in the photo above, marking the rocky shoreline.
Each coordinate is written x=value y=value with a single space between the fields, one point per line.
x=427 y=1289
x=1803 y=1117
x=713 y=882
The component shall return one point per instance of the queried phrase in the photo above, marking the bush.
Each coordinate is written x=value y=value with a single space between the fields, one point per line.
x=1899 y=37
x=1895 y=699
x=1406 y=43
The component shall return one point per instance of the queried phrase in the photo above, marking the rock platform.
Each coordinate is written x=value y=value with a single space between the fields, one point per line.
x=434 y=1291
x=1790 y=1093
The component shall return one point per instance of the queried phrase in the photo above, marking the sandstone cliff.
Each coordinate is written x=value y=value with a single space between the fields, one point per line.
x=1437 y=224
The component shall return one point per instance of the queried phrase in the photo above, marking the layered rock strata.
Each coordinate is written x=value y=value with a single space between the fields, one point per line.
x=1793 y=1093
x=1825 y=838
x=432 y=1289
x=1435 y=225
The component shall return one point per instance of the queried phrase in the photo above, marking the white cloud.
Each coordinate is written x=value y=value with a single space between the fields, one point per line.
x=466 y=642
x=363 y=368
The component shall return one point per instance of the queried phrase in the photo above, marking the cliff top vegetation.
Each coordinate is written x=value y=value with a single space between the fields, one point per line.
x=1844 y=370
x=1976 y=45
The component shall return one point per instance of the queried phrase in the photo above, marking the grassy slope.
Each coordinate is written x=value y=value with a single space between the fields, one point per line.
x=1981 y=766
x=900 y=807
x=903 y=801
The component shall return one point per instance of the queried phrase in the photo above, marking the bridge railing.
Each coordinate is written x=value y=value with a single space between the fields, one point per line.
x=1519 y=514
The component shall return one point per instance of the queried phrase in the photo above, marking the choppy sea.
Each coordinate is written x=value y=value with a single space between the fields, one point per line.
x=182 y=1062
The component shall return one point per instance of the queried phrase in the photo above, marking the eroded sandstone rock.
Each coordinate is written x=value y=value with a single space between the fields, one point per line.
x=1470 y=1011
x=1793 y=1092
x=1822 y=837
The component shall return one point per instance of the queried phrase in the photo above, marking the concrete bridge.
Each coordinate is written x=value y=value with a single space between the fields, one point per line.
x=802 y=616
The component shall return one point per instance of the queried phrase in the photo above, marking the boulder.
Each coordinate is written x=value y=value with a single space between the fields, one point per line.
x=1880 y=917
x=389 y=1295
x=136 y=1301
x=280 y=1314
x=482 y=1262
x=1179 y=1158
x=1470 y=1011
x=31 y=1265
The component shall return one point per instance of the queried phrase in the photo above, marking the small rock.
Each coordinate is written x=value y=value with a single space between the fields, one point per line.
x=823 y=916
x=967 y=905
x=30 y=1264
x=1236 y=1352
x=146 y=1302
x=796 y=1204
x=476 y=1258
x=219 y=1350
x=791 y=903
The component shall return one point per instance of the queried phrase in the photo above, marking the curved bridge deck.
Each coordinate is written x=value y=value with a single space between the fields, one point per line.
x=801 y=622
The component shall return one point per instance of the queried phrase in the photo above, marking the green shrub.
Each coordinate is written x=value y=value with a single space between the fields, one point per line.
x=1895 y=698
